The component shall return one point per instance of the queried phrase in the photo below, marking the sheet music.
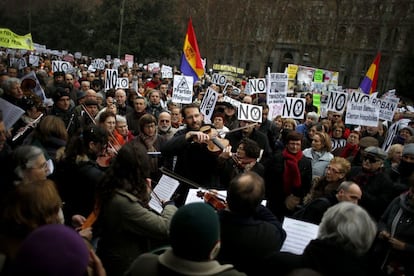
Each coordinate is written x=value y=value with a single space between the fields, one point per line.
x=164 y=190
x=11 y=113
x=298 y=235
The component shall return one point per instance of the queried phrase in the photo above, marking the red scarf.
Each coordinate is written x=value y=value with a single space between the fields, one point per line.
x=349 y=150
x=291 y=173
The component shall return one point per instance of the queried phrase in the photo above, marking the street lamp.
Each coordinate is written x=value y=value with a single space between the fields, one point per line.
x=120 y=28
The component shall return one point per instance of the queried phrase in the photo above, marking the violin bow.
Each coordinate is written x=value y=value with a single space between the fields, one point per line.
x=178 y=177
x=237 y=128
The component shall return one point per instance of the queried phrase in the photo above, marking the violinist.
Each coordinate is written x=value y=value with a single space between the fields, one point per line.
x=244 y=160
x=107 y=120
x=193 y=158
x=248 y=130
x=78 y=174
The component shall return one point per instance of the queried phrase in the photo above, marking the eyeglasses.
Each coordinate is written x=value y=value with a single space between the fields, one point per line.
x=370 y=159
x=44 y=166
x=164 y=121
x=329 y=168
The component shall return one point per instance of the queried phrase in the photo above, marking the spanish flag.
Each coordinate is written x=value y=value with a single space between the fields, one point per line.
x=369 y=83
x=191 y=64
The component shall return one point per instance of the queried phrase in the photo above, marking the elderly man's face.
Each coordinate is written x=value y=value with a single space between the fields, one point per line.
x=164 y=121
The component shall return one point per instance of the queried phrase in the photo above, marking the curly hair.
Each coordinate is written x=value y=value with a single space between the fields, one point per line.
x=127 y=172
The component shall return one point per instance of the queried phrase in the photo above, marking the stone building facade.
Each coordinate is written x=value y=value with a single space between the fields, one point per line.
x=338 y=35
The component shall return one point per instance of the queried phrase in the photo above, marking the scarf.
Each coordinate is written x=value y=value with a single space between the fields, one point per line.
x=349 y=150
x=149 y=142
x=291 y=172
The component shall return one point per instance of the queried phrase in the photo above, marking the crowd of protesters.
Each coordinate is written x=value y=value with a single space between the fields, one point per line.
x=90 y=158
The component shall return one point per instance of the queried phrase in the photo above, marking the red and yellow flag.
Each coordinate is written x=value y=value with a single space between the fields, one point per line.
x=191 y=64
x=369 y=83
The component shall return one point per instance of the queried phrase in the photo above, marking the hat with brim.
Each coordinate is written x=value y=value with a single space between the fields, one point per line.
x=375 y=152
x=226 y=104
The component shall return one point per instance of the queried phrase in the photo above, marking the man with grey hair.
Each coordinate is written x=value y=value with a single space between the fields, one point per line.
x=311 y=119
x=346 y=234
x=164 y=125
x=314 y=210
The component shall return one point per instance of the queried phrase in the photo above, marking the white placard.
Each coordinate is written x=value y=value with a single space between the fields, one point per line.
x=277 y=82
x=123 y=83
x=360 y=111
x=337 y=101
x=250 y=112
x=182 y=89
x=166 y=72
x=294 y=108
x=61 y=66
x=98 y=64
x=111 y=78
x=387 y=107
x=34 y=60
x=219 y=79
x=208 y=103
x=257 y=86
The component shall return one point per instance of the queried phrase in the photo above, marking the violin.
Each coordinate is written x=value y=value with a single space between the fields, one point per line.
x=213 y=199
x=215 y=143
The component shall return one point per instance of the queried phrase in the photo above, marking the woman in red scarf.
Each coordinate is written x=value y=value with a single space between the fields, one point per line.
x=288 y=177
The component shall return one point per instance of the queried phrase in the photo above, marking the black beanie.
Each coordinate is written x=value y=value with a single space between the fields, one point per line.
x=195 y=232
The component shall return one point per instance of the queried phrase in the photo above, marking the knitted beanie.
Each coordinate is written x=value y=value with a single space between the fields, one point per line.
x=52 y=250
x=195 y=232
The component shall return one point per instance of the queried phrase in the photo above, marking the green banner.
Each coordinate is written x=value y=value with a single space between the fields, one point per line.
x=9 y=39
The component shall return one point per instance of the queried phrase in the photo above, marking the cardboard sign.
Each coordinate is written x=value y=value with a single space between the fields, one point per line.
x=337 y=101
x=219 y=79
x=166 y=72
x=123 y=83
x=111 y=78
x=61 y=66
x=182 y=89
x=257 y=86
x=98 y=64
x=294 y=108
x=208 y=103
x=250 y=112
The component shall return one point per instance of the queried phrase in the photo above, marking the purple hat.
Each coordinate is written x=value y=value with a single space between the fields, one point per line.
x=52 y=249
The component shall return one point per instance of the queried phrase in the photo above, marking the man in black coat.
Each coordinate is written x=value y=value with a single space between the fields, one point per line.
x=250 y=233
x=194 y=161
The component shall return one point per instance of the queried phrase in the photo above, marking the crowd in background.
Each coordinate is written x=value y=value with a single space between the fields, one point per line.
x=89 y=158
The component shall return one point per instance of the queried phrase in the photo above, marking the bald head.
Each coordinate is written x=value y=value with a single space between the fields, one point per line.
x=349 y=191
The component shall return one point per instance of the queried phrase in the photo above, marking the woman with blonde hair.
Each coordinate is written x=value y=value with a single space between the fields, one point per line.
x=394 y=156
x=335 y=174
x=319 y=153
